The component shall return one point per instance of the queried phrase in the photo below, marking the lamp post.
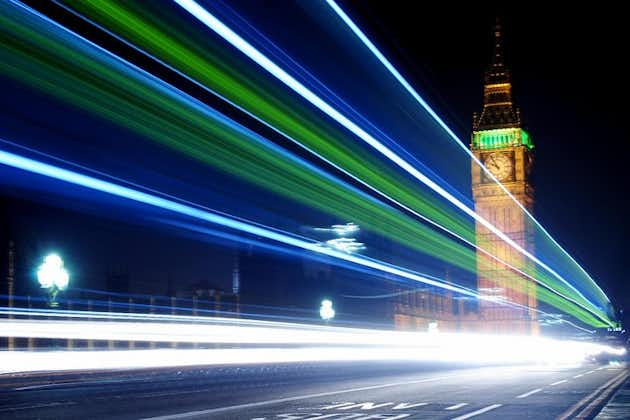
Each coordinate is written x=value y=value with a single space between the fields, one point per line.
x=53 y=277
x=326 y=310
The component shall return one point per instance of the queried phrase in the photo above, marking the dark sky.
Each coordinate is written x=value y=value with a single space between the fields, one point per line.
x=571 y=85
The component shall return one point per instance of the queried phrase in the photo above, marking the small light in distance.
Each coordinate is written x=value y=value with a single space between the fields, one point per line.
x=326 y=310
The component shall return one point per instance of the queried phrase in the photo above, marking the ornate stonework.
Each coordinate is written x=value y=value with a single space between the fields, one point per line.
x=505 y=149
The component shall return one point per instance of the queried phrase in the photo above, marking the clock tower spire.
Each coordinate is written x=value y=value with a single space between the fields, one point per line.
x=505 y=149
x=498 y=108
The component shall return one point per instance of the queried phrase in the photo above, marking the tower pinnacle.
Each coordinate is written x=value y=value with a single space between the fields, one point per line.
x=498 y=65
x=498 y=109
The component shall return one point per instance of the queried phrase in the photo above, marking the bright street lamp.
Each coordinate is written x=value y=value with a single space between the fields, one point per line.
x=52 y=276
x=326 y=310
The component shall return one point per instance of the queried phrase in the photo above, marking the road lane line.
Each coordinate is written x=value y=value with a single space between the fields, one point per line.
x=588 y=411
x=481 y=411
x=527 y=394
x=578 y=376
x=559 y=382
x=205 y=413
x=406 y=406
x=365 y=406
x=35 y=406
x=456 y=406
x=592 y=398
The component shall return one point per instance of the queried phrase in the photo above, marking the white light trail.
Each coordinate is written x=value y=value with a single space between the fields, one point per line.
x=51 y=171
x=273 y=343
x=400 y=78
x=189 y=209
x=238 y=42
x=349 y=245
x=337 y=228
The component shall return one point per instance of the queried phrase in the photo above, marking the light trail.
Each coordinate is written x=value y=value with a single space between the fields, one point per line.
x=65 y=175
x=238 y=42
x=323 y=158
x=410 y=89
x=265 y=165
x=273 y=343
x=199 y=107
x=388 y=197
x=91 y=183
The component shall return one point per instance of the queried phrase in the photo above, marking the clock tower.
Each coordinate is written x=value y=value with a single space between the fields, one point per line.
x=505 y=149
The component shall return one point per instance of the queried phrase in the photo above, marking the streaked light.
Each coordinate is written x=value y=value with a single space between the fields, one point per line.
x=270 y=342
x=34 y=166
x=237 y=41
x=349 y=245
x=344 y=230
x=398 y=76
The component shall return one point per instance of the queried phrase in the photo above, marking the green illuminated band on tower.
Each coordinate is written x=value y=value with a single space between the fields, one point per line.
x=502 y=137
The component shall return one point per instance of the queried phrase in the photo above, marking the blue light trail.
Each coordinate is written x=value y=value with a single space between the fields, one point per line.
x=238 y=42
x=400 y=78
x=65 y=175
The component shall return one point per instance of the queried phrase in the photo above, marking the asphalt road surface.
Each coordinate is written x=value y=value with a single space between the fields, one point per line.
x=336 y=391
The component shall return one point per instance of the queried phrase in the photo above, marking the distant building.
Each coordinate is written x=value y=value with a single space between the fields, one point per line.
x=505 y=148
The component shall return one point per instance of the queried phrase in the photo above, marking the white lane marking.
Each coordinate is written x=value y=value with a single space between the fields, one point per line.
x=371 y=405
x=82 y=383
x=578 y=376
x=190 y=414
x=589 y=372
x=43 y=386
x=405 y=406
x=337 y=405
x=481 y=411
x=527 y=394
x=30 y=407
x=456 y=406
x=559 y=382
x=365 y=406
x=595 y=397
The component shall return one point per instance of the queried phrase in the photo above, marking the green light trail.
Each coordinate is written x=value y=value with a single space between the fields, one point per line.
x=211 y=67
x=44 y=58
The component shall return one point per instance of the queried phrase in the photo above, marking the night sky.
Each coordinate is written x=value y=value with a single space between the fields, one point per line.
x=572 y=88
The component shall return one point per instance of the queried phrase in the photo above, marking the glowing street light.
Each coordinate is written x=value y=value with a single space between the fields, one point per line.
x=52 y=276
x=326 y=310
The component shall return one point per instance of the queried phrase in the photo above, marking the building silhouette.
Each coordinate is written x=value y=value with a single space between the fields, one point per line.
x=505 y=149
x=501 y=144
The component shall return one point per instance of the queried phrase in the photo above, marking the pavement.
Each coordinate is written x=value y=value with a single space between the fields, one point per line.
x=619 y=405
x=337 y=391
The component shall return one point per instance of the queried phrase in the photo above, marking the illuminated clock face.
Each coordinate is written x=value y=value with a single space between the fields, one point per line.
x=499 y=165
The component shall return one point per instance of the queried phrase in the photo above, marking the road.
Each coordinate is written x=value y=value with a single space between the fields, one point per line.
x=313 y=391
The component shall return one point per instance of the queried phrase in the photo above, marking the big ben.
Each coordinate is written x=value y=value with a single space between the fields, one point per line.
x=500 y=143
